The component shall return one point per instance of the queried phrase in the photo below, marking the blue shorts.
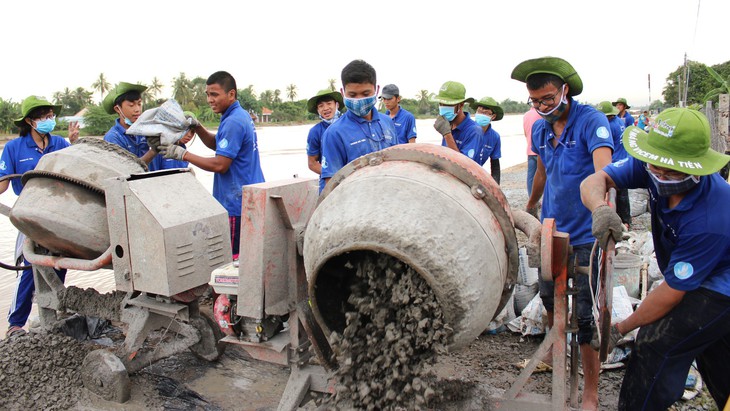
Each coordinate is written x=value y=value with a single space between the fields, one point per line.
x=584 y=301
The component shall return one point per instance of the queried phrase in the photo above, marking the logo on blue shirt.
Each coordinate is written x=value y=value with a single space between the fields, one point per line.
x=602 y=132
x=621 y=162
x=683 y=270
x=324 y=162
x=3 y=166
x=470 y=153
x=223 y=143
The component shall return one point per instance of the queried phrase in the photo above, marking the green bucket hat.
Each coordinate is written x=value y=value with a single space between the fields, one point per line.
x=607 y=108
x=489 y=103
x=678 y=140
x=451 y=93
x=33 y=102
x=550 y=65
x=312 y=102
x=622 y=100
x=118 y=90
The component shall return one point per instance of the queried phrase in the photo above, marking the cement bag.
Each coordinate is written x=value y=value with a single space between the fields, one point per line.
x=167 y=121
x=531 y=322
x=639 y=201
x=527 y=285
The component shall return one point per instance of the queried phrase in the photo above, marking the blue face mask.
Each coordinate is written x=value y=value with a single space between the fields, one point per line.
x=482 y=119
x=334 y=118
x=126 y=120
x=361 y=106
x=45 y=126
x=448 y=112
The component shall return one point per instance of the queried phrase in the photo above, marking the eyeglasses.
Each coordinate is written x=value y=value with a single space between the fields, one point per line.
x=547 y=102
x=665 y=175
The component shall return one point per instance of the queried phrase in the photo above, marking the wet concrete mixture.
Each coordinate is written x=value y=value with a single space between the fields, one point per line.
x=41 y=371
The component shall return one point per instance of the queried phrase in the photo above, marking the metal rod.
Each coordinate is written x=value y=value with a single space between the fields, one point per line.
x=68 y=263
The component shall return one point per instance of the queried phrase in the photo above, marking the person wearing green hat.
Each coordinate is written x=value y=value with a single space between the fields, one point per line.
x=572 y=141
x=687 y=317
x=328 y=105
x=623 y=111
x=362 y=129
x=486 y=111
x=404 y=121
x=20 y=155
x=125 y=100
x=459 y=131
x=623 y=205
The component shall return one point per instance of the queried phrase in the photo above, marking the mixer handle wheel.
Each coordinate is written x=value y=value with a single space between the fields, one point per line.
x=605 y=296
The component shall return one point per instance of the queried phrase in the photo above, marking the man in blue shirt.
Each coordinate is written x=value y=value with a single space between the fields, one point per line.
x=459 y=132
x=328 y=105
x=572 y=141
x=361 y=130
x=20 y=155
x=623 y=111
x=623 y=205
x=405 y=123
x=687 y=317
x=487 y=110
x=125 y=100
x=236 y=162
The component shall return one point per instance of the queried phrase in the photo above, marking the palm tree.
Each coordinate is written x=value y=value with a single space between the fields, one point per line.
x=101 y=85
x=291 y=91
x=424 y=103
x=182 y=90
x=155 y=88
x=332 y=84
x=724 y=85
x=266 y=98
x=277 y=96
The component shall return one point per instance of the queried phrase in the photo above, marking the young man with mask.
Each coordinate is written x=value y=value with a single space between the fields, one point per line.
x=623 y=111
x=125 y=100
x=459 y=131
x=236 y=162
x=20 y=155
x=487 y=111
x=361 y=130
x=328 y=105
x=572 y=141
x=687 y=317
x=405 y=123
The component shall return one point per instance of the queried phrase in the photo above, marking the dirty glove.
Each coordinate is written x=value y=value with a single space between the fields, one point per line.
x=613 y=338
x=191 y=119
x=606 y=223
x=153 y=142
x=172 y=151
x=442 y=125
x=533 y=211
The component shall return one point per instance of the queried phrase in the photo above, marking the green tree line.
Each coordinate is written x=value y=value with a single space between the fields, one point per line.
x=705 y=82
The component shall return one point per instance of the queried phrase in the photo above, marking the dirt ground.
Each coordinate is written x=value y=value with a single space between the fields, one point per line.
x=469 y=379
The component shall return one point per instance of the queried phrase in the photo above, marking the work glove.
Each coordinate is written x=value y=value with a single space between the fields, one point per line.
x=153 y=142
x=606 y=223
x=442 y=125
x=614 y=338
x=172 y=151
x=192 y=120
x=533 y=211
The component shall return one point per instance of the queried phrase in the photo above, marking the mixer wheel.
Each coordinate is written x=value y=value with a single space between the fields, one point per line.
x=210 y=347
x=104 y=374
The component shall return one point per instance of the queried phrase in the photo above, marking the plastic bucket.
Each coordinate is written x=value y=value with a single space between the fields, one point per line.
x=626 y=272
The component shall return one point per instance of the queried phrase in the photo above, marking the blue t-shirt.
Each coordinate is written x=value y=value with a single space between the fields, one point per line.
x=691 y=240
x=617 y=130
x=136 y=145
x=642 y=121
x=351 y=137
x=405 y=125
x=491 y=146
x=567 y=164
x=22 y=154
x=314 y=145
x=468 y=136
x=628 y=119
x=236 y=139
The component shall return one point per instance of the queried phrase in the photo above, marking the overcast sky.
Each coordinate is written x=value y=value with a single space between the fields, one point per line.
x=417 y=45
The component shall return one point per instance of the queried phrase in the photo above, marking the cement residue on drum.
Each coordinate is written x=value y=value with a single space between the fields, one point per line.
x=40 y=372
x=394 y=327
x=90 y=302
